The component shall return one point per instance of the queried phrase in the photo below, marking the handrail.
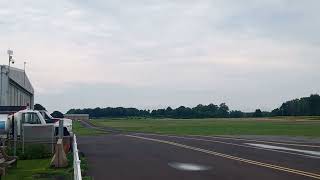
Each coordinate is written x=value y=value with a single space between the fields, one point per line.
x=76 y=160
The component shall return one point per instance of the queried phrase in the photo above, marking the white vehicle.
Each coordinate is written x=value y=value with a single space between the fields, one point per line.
x=49 y=120
x=31 y=117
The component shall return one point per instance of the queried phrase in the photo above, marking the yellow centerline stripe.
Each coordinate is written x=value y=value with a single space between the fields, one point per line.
x=271 y=166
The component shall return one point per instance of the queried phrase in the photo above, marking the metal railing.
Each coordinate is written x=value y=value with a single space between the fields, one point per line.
x=76 y=160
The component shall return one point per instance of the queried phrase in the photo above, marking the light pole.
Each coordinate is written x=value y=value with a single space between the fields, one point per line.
x=11 y=60
x=10 y=54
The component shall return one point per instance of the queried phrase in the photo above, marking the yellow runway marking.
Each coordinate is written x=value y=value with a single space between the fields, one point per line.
x=271 y=166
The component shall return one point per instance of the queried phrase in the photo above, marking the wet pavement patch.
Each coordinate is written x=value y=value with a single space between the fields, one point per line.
x=188 y=166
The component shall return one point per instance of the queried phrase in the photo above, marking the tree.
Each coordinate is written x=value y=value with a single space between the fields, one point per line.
x=306 y=106
x=257 y=113
x=314 y=101
x=223 y=110
x=57 y=114
x=236 y=114
x=39 y=107
x=183 y=112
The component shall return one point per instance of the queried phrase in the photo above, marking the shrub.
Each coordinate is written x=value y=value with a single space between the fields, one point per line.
x=32 y=151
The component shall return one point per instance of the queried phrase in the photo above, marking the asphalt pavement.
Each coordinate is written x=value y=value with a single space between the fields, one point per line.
x=139 y=156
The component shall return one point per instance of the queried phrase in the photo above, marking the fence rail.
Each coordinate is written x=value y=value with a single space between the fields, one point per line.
x=76 y=160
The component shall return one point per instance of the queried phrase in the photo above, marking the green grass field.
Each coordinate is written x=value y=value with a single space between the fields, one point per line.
x=299 y=126
x=37 y=168
x=40 y=169
x=80 y=130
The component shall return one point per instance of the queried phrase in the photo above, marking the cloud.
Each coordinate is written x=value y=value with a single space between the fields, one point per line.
x=227 y=50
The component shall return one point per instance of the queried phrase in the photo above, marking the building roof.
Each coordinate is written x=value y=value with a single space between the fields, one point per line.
x=20 y=77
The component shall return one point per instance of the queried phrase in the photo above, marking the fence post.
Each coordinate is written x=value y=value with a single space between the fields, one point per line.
x=61 y=129
x=53 y=139
x=15 y=136
x=22 y=134
x=76 y=160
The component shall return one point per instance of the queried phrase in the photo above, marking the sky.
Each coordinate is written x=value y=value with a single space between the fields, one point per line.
x=156 y=53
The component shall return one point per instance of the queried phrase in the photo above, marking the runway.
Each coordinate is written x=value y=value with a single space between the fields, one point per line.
x=152 y=156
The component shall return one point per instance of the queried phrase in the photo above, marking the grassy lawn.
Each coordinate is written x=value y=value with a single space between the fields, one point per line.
x=80 y=130
x=37 y=169
x=244 y=126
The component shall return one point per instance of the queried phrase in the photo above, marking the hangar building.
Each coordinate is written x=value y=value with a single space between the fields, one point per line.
x=15 y=87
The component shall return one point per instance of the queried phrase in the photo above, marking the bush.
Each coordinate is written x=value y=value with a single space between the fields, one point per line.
x=32 y=151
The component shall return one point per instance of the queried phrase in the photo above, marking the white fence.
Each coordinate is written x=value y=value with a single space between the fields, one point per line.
x=76 y=160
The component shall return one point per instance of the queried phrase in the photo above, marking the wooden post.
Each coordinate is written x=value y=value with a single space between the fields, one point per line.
x=61 y=129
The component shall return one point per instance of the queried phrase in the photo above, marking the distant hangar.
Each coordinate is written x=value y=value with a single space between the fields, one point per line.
x=15 y=87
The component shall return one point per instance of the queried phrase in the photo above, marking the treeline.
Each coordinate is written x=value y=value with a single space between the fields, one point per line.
x=307 y=106
x=110 y=112
x=199 y=111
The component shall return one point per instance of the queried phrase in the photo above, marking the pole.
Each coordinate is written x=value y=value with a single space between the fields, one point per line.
x=22 y=134
x=60 y=129
x=10 y=54
x=14 y=136
x=9 y=61
x=12 y=128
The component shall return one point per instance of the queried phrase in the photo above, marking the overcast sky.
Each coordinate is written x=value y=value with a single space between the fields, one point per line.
x=157 y=53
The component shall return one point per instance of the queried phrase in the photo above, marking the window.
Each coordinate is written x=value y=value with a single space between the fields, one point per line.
x=48 y=119
x=30 y=118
